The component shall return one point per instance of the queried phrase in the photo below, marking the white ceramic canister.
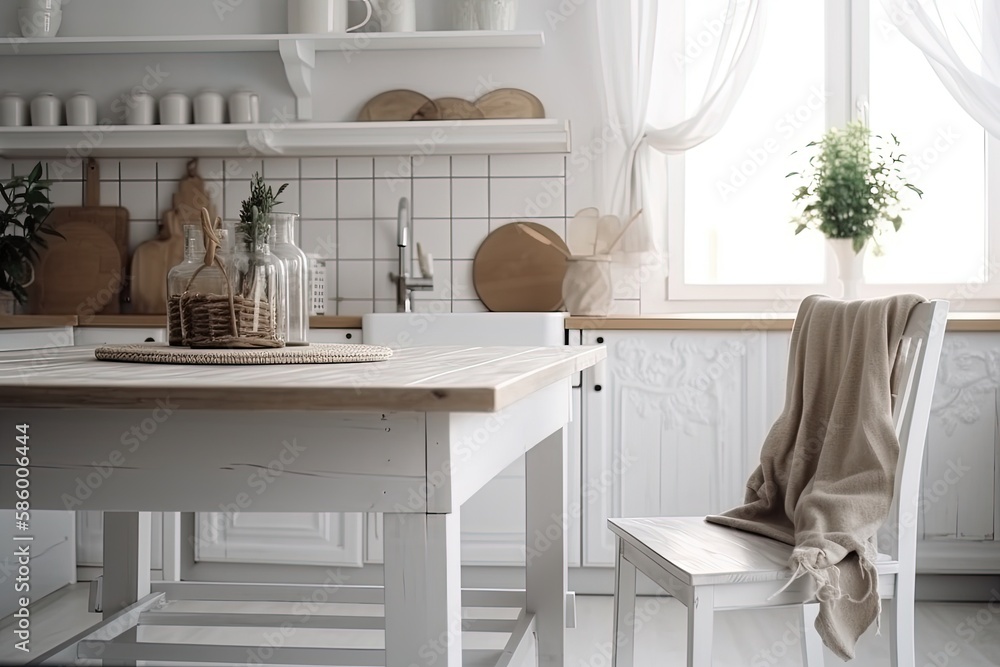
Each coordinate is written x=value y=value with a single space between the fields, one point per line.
x=140 y=109
x=209 y=108
x=397 y=15
x=587 y=288
x=42 y=5
x=81 y=109
x=13 y=110
x=496 y=14
x=175 y=109
x=323 y=16
x=46 y=110
x=244 y=107
x=38 y=22
x=463 y=15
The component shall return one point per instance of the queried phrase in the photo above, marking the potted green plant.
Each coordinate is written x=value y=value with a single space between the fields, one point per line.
x=852 y=194
x=26 y=208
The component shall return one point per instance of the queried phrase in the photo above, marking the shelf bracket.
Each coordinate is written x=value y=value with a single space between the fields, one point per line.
x=299 y=57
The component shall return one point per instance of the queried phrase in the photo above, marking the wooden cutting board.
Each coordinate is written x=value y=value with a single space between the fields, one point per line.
x=448 y=108
x=83 y=273
x=513 y=272
x=153 y=260
x=510 y=103
x=393 y=105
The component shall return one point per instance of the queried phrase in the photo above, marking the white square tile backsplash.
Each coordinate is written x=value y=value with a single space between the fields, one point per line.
x=348 y=208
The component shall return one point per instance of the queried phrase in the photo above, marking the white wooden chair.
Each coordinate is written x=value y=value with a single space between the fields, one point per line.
x=709 y=567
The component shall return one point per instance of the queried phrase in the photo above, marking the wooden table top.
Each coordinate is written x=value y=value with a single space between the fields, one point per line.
x=420 y=379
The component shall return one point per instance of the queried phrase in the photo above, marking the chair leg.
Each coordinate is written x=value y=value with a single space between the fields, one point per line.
x=623 y=654
x=812 y=643
x=899 y=614
x=701 y=616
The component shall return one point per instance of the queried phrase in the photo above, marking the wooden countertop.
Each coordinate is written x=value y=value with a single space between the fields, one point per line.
x=960 y=321
x=144 y=321
x=37 y=321
x=431 y=379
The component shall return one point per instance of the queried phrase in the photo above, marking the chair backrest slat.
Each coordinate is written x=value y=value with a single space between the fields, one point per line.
x=916 y=372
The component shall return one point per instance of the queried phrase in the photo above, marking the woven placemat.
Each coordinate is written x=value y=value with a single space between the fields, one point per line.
x=159 y=353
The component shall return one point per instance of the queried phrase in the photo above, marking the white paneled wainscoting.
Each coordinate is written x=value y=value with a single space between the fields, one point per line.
x=670 y=424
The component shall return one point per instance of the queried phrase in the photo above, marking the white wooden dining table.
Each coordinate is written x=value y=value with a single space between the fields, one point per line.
x=412 y=438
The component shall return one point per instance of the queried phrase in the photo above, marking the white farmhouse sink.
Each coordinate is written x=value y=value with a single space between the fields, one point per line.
x=410 y=329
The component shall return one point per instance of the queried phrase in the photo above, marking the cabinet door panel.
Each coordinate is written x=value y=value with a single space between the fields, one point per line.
x=303 y=538
x=674 y=428
x=959 y=466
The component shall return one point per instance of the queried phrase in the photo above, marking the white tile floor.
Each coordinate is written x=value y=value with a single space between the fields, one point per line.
x=948 y=635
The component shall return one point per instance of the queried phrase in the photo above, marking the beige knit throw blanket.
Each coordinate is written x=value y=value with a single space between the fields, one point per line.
x=825 y=480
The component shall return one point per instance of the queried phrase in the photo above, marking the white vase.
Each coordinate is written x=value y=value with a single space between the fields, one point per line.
x=463 y=15
x=496 y=14
x=587 y=289
x=850 y=266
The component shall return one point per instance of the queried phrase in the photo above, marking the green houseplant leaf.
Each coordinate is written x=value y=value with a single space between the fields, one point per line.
x=23 y=224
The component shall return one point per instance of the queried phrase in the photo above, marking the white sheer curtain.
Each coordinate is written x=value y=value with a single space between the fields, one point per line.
x=949 y=34
x=627 y=33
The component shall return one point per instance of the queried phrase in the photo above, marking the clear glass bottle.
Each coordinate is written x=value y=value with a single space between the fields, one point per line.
x=260 y=284
x=297 y=272
x=191 y=276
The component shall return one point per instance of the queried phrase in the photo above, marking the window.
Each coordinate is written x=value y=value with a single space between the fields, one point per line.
x=823 y=63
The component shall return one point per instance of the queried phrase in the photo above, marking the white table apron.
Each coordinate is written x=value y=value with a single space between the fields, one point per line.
x=416 y=467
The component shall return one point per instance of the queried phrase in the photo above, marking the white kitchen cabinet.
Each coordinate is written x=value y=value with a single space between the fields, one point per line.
x=119 y=335
x=352 y=336
x=680 y=417
x=673 y=425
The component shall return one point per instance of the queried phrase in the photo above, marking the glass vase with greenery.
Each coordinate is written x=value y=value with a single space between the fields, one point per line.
x=23 y=224
x=259 y=274
x=852 y=186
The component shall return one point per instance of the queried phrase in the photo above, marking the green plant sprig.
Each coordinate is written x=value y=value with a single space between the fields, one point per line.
x=853 y=186
x=23 y=224
x=254 y=226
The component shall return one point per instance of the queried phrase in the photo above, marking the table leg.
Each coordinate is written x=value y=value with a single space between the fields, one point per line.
x=547 y=578
x=126 y=560
x=423 y=590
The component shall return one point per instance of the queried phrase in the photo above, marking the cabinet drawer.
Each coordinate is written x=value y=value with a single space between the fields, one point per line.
x=118 y=336
x=335 y=336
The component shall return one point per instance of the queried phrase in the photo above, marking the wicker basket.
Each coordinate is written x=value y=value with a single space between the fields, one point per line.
x=207 y=321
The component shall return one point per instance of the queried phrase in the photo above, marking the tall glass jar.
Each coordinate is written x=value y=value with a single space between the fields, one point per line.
x=260 y=289
x=191 y=276
x=296 y=273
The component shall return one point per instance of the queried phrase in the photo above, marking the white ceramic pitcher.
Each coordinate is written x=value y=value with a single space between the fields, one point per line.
x=323 y=16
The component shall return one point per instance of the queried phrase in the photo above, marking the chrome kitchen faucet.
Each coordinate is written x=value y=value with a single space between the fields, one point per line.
x=405 y=284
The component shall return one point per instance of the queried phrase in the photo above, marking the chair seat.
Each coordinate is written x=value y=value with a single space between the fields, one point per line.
x=701 y=553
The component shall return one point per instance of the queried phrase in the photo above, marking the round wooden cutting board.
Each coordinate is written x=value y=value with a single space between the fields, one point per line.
x=513 y=272
x=510 y=103
x=394 y=105
x=448 y=108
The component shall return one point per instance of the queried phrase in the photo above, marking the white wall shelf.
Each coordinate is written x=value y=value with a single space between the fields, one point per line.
x=294 y=140
x=443 y=39
x=298 y=52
